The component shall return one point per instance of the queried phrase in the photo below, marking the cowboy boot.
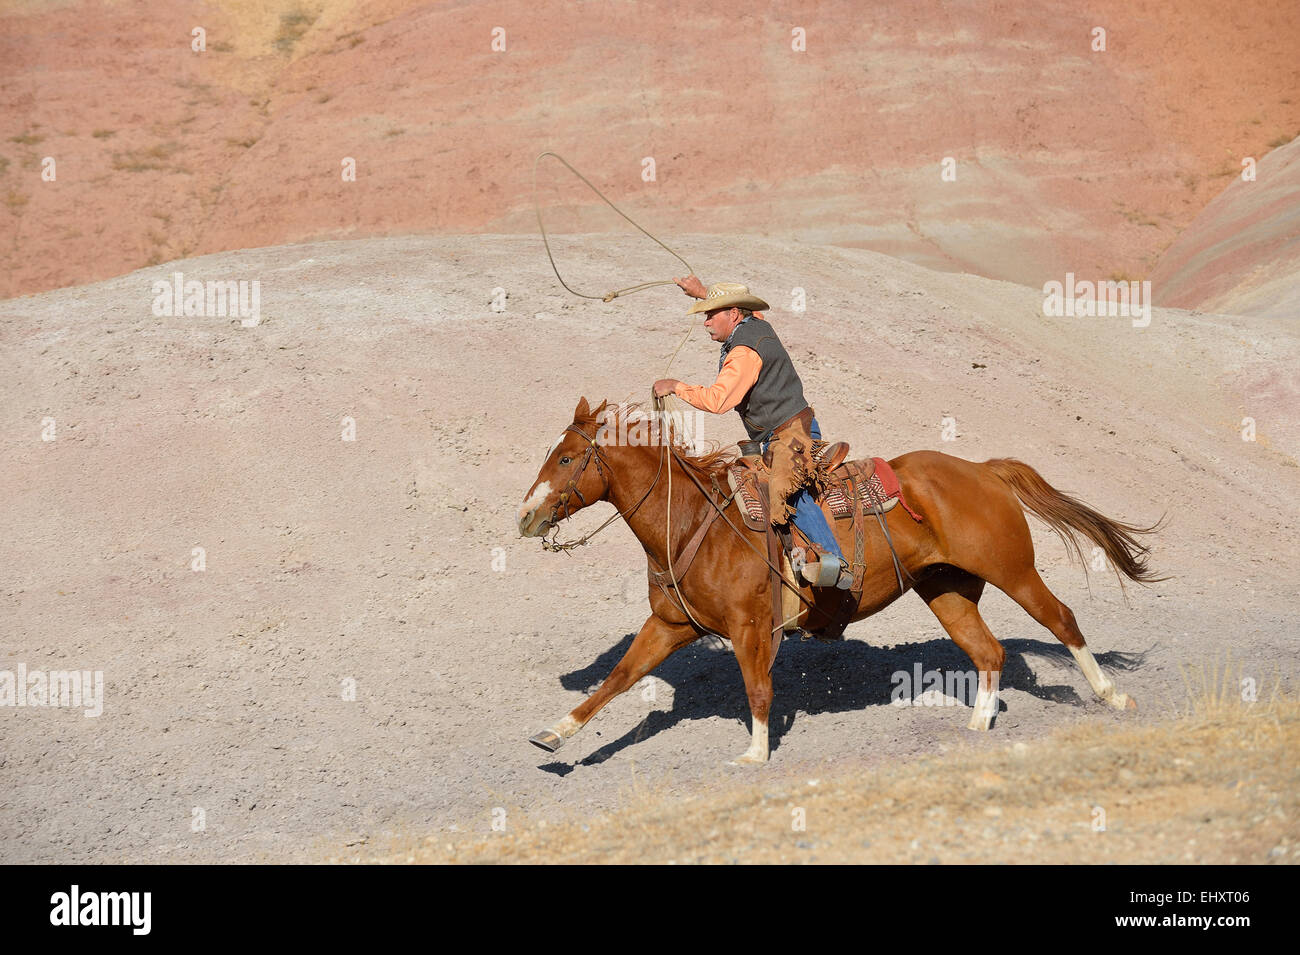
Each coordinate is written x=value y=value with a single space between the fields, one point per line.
x=830 y=571
x=751 y=454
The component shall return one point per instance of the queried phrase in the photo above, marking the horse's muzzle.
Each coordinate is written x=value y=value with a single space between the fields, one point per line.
x=533 y=524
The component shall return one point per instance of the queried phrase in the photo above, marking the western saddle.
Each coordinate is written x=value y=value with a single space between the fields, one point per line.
x=870 y=485
x=850 y=489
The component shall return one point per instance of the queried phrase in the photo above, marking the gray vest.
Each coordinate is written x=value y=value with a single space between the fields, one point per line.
x=777 y=396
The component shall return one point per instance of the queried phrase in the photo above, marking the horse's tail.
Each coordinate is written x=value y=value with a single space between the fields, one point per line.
x=1067 y=516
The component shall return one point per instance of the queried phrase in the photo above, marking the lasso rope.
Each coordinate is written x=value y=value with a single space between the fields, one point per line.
x=665 y=422
x=610 y=296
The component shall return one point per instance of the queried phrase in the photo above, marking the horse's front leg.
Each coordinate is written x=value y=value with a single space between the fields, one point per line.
x=656 y=641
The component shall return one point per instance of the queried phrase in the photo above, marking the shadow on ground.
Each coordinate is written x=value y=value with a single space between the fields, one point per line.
x=812 y=677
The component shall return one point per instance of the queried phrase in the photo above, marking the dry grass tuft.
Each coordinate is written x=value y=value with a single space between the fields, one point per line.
x=151 y=158
x=293 y=26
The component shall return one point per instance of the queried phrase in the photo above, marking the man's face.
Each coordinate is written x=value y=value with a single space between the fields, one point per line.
x=721 y=323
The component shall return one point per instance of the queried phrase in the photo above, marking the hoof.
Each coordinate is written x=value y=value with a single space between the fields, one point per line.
x=547 y=740
x=746 y=759
x=1122 y=701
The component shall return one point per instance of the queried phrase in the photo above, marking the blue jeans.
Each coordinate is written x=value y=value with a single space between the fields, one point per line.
x=808 y=516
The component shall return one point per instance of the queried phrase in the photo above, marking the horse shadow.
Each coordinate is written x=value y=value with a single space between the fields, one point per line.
x=811 y=677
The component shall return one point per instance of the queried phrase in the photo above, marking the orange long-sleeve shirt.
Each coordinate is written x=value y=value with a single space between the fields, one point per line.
x=736 y=376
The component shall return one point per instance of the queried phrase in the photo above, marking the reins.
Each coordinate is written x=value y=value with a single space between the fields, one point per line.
x=592 y=449
x=721 y=509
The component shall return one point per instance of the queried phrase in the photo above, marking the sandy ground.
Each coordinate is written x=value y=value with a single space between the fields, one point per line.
x=393 y=560
x=1215 y=786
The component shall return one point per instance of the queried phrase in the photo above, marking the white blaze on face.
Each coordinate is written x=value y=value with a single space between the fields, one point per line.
x=542 y=491
x=534 y=500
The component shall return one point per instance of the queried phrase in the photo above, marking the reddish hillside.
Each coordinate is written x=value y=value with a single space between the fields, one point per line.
x=1066 y=158
x=1242 y=254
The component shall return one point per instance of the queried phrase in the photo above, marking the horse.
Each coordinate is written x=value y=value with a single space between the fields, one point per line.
x=972 y=532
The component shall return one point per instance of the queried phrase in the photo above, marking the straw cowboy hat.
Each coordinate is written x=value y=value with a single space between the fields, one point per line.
x=729 y=295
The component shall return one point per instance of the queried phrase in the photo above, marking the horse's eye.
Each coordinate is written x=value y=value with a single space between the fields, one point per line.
x=566 y=460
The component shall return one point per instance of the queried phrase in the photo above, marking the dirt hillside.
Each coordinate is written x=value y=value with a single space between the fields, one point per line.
x=388 y=568
x=1242 y=254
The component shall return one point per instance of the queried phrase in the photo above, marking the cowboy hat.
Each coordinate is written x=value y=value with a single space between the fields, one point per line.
x=728 y=295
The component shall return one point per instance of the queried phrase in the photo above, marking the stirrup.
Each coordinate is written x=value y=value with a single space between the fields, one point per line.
x=835 y=455
x=828 y=572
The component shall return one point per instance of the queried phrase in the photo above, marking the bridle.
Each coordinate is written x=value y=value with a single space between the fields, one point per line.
x=593 y=451
x=571 y=488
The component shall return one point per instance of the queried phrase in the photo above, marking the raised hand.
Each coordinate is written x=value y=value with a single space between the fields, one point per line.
x=692 y=286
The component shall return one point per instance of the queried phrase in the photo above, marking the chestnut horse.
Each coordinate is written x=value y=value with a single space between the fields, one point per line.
x=973 y=532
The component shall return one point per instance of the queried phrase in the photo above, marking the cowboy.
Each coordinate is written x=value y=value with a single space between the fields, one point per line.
x=757 y=378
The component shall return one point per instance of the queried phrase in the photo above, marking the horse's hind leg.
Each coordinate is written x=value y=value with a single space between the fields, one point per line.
x=953 y=596
x=1040 y=603
x=656 y=640
x=753 y=648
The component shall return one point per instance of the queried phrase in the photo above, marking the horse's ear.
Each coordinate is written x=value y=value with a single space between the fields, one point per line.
x=596 y=411
x=582 y=412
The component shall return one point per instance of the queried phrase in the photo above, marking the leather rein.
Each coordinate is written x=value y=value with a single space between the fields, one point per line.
x=593 y=453
x=571 y=488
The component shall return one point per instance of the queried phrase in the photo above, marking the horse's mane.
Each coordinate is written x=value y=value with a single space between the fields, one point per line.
x=710 y=463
